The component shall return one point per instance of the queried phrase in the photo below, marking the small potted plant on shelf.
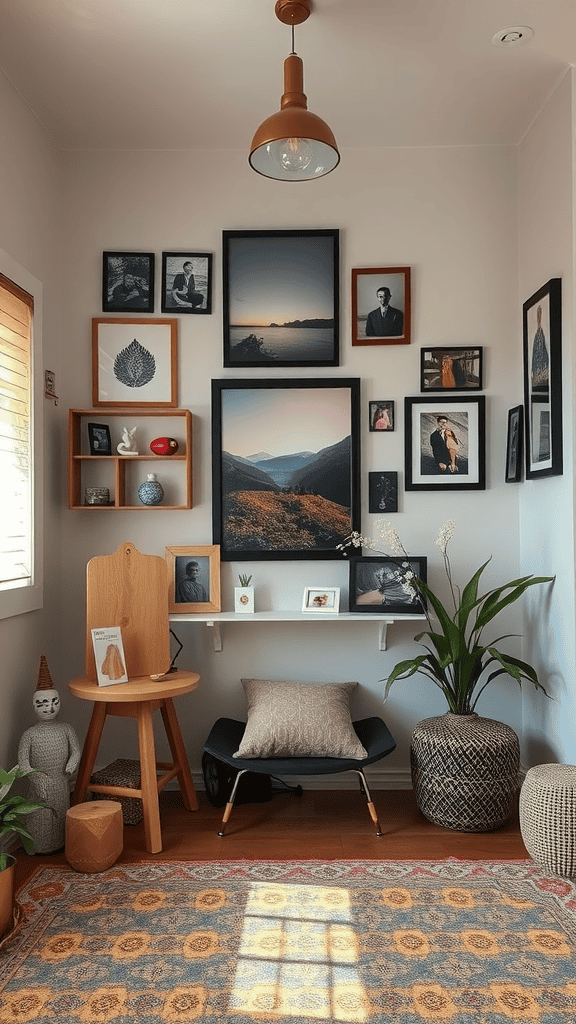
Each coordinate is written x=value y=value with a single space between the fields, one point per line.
x=12 y=809
x=464 y=767
x=244 y=594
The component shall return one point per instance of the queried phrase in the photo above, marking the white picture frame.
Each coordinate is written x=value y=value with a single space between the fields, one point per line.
x=321 y=600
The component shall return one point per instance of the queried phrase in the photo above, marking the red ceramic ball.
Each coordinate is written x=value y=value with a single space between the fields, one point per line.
x=164 y=446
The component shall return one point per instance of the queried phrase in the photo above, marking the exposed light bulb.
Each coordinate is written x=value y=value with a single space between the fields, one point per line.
x=295 y=155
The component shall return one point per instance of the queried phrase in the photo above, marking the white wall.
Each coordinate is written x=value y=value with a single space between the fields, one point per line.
x=546 y=247
x=451 y=215
x=30 y=232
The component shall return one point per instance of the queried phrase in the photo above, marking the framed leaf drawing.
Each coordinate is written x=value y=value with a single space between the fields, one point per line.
x=134 y=362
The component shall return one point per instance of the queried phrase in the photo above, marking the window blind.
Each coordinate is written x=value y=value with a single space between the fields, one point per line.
x=16 y=311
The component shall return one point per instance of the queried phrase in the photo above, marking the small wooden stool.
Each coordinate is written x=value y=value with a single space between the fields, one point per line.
x=94 y=835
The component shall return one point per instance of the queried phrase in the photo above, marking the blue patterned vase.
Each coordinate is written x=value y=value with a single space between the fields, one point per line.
x=151 y=491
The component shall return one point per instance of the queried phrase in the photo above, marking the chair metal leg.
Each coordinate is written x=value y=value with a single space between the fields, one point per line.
x=369 y=801
x=230 y=804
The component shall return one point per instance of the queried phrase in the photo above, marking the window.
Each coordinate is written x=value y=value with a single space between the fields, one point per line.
x=20 y=457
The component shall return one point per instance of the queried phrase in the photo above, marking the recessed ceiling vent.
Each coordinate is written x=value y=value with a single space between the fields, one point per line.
x=515 y=36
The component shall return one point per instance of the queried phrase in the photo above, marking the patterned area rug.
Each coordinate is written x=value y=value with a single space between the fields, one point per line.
x=294 y=942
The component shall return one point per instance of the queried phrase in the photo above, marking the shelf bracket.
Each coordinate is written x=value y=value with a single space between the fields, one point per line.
x=216 y=636
x=383 y=638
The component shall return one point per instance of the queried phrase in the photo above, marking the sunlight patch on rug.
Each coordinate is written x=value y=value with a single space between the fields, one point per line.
x=294 y=942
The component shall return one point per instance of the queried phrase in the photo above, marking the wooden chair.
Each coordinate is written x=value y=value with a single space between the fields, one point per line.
x=130 y=590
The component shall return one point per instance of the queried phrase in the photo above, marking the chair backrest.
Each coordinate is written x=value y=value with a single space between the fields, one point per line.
x=130 y=590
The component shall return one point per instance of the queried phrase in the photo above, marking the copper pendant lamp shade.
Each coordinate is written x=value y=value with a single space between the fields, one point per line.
x=293 y=144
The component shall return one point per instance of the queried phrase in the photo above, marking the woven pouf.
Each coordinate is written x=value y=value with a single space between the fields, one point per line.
x=548 y=817
x=94 y=835
x=123 y=772
x=465 y=771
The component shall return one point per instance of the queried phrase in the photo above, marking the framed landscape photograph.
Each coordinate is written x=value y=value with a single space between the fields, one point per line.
x=381 y=306
x=99 y=439
x=325 y=600
x=281 y=298
x=380 y=416
x=451 y=369
x=382 y=492
x=285 y=467
x=194 y=578
x=445 y=443
x=380 y=584
x=134 y=362
x=187 y=282
x=128 y=282
x=514 y=445
x=542 y=337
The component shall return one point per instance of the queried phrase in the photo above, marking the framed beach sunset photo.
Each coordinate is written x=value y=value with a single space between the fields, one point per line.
x=281 y=298
x=285 y=469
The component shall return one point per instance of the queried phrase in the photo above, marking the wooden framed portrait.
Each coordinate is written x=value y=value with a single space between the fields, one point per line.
x=542 y=336
x=513 y=472
x=451 y=369
x=128 y=282
x=380 y=416
x=445 y=443
x=381 y=306
x=281 y=298
x=383 y=492
x=286 y=467
x=134 y=362
x=99 y=439
x=323 y=600
x=194 y=574
x=186 y=282
x=380 y=584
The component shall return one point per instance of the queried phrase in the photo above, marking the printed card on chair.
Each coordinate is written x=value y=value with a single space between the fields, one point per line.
x=109 y=655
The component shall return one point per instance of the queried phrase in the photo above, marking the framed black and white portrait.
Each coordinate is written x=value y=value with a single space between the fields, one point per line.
x=187 y=282
x=128 y=282
x=445 y=443
x=380 y=584
x=381 y=306
x=194 y=574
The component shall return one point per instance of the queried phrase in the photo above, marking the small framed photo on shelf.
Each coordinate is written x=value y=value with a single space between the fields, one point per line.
x=99 y=439
x=381 y=585
x=381 y=306
x=382 y=492
x=542 y=336
x=445 y=443
x=513 y=473
x=381 y=416
x=451 y=369
x=134 y=361
x=187 y=282
x=321 y=599
x=128 y=282
x=194 y=578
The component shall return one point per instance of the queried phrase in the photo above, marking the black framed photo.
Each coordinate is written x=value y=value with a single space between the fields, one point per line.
x=380 y=584
x=99 y=439
x=380 y=416
x=128 y=282
x=187 y=282
x=542 y=331
x=381 y=306
x=514 y=445
x=285 y=467
x=382 y=492
x=445 y=443
x=281 y=298
x=451 y=369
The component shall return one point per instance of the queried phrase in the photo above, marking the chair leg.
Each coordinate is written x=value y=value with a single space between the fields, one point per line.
x=369 y=801
x=230 y=804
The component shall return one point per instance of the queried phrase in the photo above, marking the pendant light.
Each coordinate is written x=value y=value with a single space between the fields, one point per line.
x=293 y=144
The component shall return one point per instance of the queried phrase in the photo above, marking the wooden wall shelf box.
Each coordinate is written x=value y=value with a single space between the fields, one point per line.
x=122 y=474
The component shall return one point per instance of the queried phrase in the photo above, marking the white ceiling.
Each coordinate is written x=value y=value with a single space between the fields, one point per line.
x=186 y=74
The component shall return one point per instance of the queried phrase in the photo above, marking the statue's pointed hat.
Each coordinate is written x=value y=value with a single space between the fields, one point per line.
x=44 y=677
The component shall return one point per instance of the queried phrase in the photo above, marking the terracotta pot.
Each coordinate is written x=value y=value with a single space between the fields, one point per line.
x=7 y=896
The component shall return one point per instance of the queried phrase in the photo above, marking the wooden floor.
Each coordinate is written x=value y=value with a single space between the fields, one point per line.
x=320 y=825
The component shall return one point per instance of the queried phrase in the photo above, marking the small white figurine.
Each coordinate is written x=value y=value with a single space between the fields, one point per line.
x=128 y=444
x=53 y=748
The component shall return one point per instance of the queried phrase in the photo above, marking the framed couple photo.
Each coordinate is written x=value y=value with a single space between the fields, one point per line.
x=445 y=443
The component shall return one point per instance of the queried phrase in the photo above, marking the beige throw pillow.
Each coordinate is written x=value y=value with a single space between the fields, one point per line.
x=288 y=719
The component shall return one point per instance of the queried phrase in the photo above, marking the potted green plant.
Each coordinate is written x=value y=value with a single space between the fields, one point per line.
x=12 y=809
x=464 y=767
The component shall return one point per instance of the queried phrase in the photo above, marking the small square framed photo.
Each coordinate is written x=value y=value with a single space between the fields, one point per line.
x=381 y=306
x=445 y=443
x=451 y=369
x=187 y=282
x=382 y=492
x=128 y=282
x=381 y=416
x=325 y=600
x=514 y=445
x=99 y=439
x=382 y=585
x=194 y=578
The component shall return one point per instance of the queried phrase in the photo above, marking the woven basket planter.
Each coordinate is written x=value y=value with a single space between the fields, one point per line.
x=465 y=771
x=548 y=817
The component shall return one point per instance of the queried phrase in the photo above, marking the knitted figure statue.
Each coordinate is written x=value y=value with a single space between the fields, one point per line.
x=53 y=748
